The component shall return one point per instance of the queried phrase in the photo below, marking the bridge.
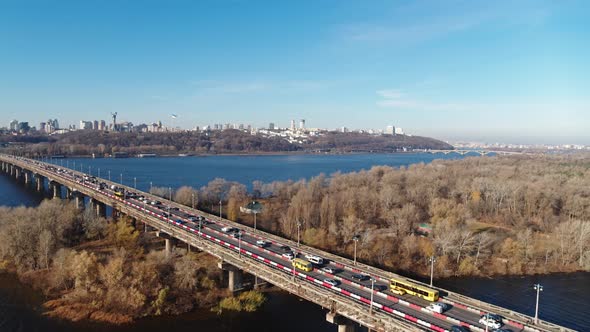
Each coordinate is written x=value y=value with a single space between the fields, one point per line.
x=481 y=152
x=352 y=293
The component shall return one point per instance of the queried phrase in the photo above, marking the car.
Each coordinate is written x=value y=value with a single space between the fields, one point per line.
x=489 y=322
x=180 y=221
x=331 y=282
x=288 y=255
x=438 y=307
x=284 y=248
x=458 y=328
x=155 y=203
x=238 y=234
x=228 y=229
x=166 y=214
x=330 y=270
x=360 y=277
x=262 y=243
x=503 y=330
x=314 y=259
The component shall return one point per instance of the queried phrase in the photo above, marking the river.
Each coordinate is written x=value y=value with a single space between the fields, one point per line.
x=563 y=301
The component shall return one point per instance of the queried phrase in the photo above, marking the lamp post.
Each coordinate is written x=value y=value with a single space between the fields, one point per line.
x=151 y=185
x=431 y=260
x=356 y=239
x=74 y=165
x=109 y=175
x=298 y=234
x=372 y=291
x=170 y=198
x=99 y=172
x=219 y=209
x=193 y=200
x=538 y=288
x=240 y=244
x=135 y=183
x=67 y=163
x=90 y=170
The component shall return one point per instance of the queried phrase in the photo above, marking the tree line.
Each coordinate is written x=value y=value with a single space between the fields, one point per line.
x=479 y=216
x=209 y=142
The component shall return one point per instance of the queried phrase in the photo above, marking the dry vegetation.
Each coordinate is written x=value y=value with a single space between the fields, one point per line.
x=93 y=269
x=490 y=215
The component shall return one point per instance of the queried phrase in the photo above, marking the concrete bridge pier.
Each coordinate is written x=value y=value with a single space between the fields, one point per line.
x=28 y=178
x=39 y=180
x=170 y=242
x=78 y=199
x=12 y=170
x=344 y=324
x=235 y=276
x=55 y=189
x=17 y=173
x=99 y=207
x=68 y=193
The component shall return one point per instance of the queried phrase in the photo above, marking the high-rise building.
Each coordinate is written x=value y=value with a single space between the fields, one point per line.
x=302 y=124
x=102 y=125
x=42 y=127
x=14 y=125
x=95 y=125
x=390 y=130
x=292 y=125
x=271 y=126
x=85 y=125
x=399 y=131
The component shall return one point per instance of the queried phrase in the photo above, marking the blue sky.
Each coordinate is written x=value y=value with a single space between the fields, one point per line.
x=509 y=71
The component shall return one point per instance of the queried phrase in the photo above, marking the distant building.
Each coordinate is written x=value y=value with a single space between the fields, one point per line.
x=390 y=130
x=95 y=125
x=399 y=131
x=42 y=127
x=23 y=127
x=343 y=130
x=302 y=124
x=14 y=125
x=102 y=125
x=271 y=126
x=85 y=125
x=292 y=125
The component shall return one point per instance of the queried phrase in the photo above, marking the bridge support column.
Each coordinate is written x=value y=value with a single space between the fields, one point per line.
x=235 y=276
x=17 y=172
x=12 y=169
x=68 y=193
x=344 y=324
x=28 y=178
x=39 y=182
x=170 y=242
x=101 y=209
x=55 y=189
x=78 y=199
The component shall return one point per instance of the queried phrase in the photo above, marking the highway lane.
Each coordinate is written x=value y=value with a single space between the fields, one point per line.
x=273 y=253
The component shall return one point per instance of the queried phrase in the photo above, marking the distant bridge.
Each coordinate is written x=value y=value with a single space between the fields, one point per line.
x=480 y=152
x=349 y=298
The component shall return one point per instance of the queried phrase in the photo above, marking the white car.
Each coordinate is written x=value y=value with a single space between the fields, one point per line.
x=490 y=322
x=315 y=259
x=288 y=255
x=262 y=243
x=438 y=307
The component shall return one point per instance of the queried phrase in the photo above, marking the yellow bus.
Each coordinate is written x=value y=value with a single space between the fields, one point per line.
x=401 y=287
x=302 y=264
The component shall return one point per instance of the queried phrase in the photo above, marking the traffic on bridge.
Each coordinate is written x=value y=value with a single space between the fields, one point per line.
x=397 y=297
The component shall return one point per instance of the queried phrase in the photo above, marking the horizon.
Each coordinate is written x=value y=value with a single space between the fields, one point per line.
x=455 y=71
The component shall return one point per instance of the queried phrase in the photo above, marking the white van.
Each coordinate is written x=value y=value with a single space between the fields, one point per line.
x=315 y=259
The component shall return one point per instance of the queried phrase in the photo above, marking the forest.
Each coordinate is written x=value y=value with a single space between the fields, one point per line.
x=477 y=216
x=95 y=269
x=103 y=143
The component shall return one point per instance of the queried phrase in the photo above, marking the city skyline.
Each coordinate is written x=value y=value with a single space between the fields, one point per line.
x=455 y=71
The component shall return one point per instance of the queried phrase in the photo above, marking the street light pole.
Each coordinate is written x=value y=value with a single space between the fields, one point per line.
x=151 y=187
x=254 y=220
x=219 y=209
x=538 y=288
x=298 y=234
x=109 y=175
x=121 y=178
x=431 y=260
x=193 y=200
x=99 y=172
x=372 y=291
x=355 y=239
x=135 y=183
